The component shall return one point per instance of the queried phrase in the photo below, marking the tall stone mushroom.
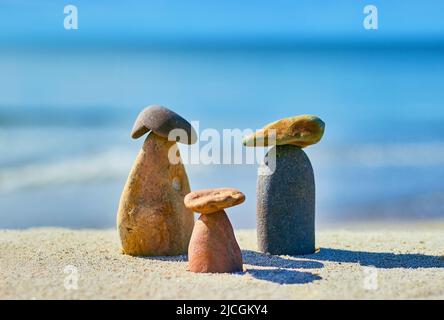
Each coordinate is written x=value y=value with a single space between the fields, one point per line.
x=286 y=197
x=152 y=219
x=213 y=247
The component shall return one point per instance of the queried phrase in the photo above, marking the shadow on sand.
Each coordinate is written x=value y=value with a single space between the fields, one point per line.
x=266 y=260
x=281 y=272
x=283 y=276
x=384 y=260
x=279 y=269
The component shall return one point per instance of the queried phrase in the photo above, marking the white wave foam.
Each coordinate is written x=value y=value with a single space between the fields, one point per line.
x=111 y=164
x=115 y=163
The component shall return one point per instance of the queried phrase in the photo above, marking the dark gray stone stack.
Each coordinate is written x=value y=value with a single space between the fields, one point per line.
x=286 y=204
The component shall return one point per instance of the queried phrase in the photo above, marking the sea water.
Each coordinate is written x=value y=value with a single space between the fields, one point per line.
x=66 y=117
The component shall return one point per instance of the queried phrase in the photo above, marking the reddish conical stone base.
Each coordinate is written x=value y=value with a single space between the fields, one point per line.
x=213 y=246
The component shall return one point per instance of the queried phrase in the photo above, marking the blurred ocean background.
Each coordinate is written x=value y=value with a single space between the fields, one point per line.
x=68 y=100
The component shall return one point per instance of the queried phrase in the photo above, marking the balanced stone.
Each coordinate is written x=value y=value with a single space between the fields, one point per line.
x=213 y=247
x=286 y=192
x=212 y=200
x=152 y=219
x=300 y=131
x=162 y=121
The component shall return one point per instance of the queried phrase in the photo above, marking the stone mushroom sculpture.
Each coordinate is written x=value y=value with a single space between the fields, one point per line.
x=213 y=247
x=286 y=196
x=152 y=219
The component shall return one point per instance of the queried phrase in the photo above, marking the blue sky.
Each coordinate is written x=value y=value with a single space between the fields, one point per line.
x=228 y=20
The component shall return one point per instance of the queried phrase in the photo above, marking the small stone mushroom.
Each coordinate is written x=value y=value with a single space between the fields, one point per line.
x=152 y=219
x=286 y=196
x=213 y=247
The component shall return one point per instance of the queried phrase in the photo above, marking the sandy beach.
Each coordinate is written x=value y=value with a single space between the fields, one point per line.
x=380 y=263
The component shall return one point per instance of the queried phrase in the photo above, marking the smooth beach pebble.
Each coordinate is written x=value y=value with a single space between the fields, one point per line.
x=301 y=131
x=152 y=218
x=213 y=247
